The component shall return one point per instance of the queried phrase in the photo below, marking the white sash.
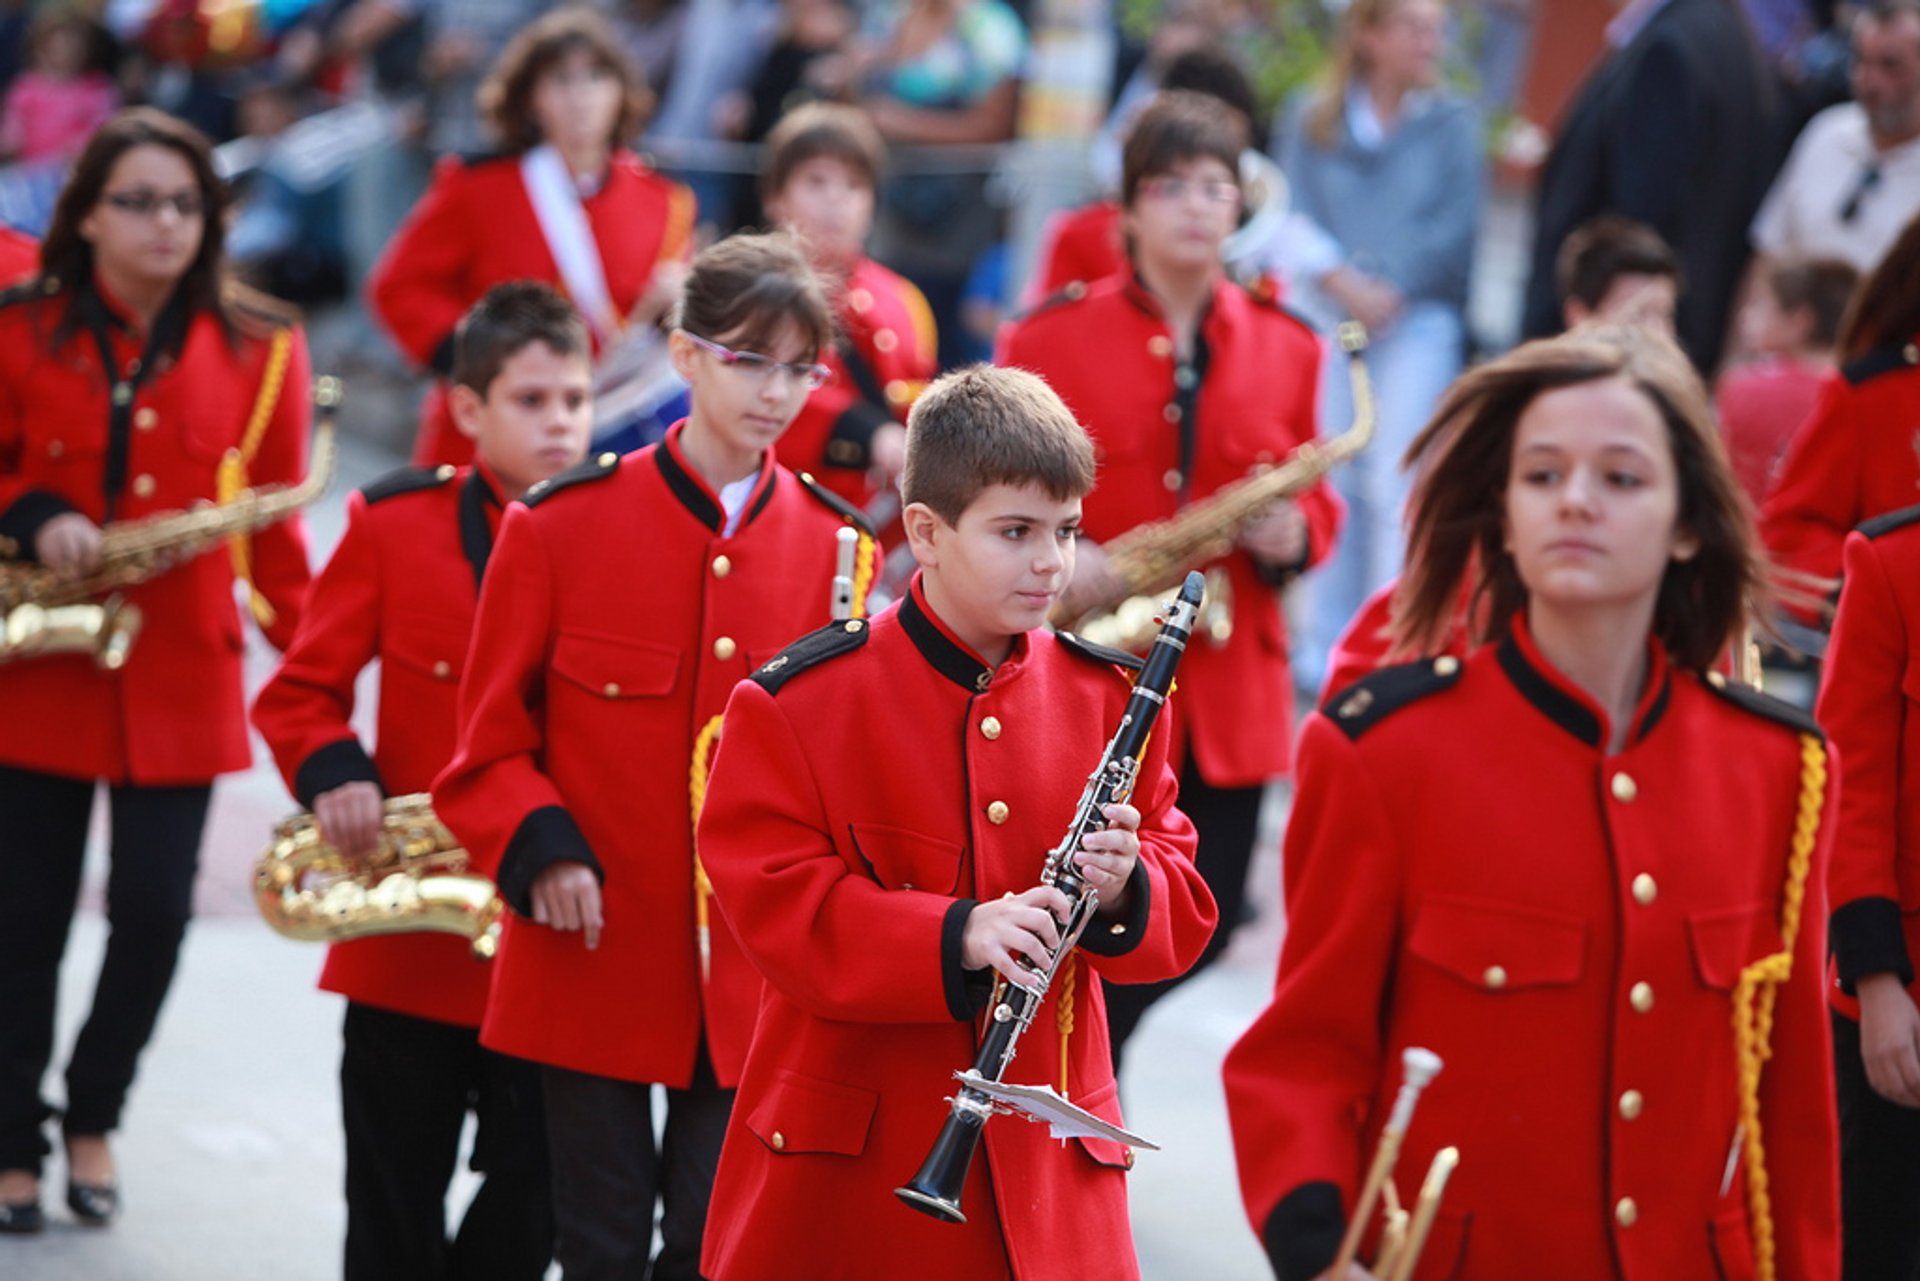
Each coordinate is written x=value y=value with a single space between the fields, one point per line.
x=563 y=221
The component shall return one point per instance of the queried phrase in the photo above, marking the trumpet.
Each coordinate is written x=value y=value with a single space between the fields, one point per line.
x=417 y=878
x=1403 y=1235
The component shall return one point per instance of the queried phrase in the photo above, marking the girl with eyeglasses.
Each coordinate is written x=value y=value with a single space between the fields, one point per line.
x=622 y=604
x=564 y=202
x=136 y=376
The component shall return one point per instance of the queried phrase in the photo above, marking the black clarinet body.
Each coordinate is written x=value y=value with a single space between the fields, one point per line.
x=935 y=1190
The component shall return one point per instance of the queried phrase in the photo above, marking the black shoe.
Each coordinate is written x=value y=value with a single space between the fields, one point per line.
x=20 y=1219
x=93 y=1204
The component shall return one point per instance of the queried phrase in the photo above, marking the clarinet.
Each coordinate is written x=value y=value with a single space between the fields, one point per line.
x=935 y=1190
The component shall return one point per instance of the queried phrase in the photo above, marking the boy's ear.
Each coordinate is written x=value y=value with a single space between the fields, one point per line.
x=922 y=525
x=468 y=408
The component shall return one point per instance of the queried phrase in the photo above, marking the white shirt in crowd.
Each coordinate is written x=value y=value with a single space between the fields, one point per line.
x=1838 y=197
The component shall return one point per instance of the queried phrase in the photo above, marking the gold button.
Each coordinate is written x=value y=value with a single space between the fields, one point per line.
x=1126 y=1154
x=1625 y=1212
x=611 y=689
x=1445 y=665
x=859 y=299
x=145 y=418
x=898 y=392
x=997 y=813
x=607 y=459
x=1496 y=976
x=1172 y=479
x=723 y=648
x=447 y=471
x=55 y=448
x=1160 y=345
x=854 y=625
x=1172 y=412
x=1076 y=289
x=1624 y=788
x=1117 y=928
x=443 y=669
x=884 y=340
x=990 y=727
x=1717 y=679
x=1630 y=1104
x=1355 y=704
x=1644 y=890
x=779 y=1141
x=1641 y=997
x=143 y=486
x=722 y=566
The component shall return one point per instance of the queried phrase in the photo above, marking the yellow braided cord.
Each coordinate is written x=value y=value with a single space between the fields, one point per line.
x=924 y=330
x=864 y=557
x=675 y=238
x=230 y=481
x=1753 y=1001
x=1063 y=1013
x=702 y=768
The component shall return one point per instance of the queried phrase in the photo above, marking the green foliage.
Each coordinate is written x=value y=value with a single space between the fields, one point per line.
x=1283 y=43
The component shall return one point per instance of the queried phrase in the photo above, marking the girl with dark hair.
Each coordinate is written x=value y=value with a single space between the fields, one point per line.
x=139 y=380
x=565 y=203
x=622 y=604
x=1579 y=864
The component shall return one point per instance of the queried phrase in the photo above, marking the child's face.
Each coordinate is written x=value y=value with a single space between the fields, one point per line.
x=577 y=101
x=1002 y=568
x=535 y=419
x=1179 y=219
x=744 y=407
x=829 y=204
x=1593 y=499
x=1768 y=329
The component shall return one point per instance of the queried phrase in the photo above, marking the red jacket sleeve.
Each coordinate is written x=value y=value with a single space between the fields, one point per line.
x=305 y=710
x=494 y=794
x=419 y=288
x=1862 y=708
x=1816 y=499
x=279 y=552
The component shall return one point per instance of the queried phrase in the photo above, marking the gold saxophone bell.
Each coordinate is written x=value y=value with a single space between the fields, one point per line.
x=417 y=878
x=1151 y=560
x=1403 y=1233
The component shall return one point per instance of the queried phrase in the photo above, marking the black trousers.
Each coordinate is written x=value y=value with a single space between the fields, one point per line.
x=607 y=1175
x=406 y=1085
x=154 y=853
x=1226 y=819
x=1879 y=1171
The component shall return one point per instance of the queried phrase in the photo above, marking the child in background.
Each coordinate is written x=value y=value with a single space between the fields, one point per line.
x=54 y=106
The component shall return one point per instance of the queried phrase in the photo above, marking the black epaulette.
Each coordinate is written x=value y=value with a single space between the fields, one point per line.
x=1747 y=698
x=407 y=480
x=1269 y=299
x=1377 y=695
x=1887 y=523
x=599 y=467
x=814 y=648
x=1101 y=653
x=1072 y=291
x=1881 y=360
x=853 y=515
x=28 y=289
x=482 y=156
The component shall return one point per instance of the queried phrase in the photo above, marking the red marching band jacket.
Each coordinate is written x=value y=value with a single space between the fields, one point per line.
x=887 y=352
x=1470 y=869
x=19 y=255
x=847 y=866
x=401 y=588
x=176 y=712
x=1856 y=457
x=476 y=228
x=1107 y=351
x=1868 y=698
x=615 y=620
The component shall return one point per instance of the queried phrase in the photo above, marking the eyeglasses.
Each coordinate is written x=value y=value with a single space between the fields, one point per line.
x=1214 y=191
x=1869 y=179
x=145 y=204
x=760 y=368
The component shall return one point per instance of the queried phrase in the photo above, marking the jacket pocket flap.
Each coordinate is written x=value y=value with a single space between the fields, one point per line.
x=904 y=860
x=614 y=668
x=439 y=651
x=1104 y=1103
x=802 y=1114
x=1727 y=941
x=1497 y=946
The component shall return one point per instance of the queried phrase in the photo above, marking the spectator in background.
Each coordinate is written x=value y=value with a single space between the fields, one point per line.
x=1790 y=322
x=721 y=42
x=54 y=106
x=811 y=32
x=1388 y=163
x=1853 y=177
x=286 y=235
x=1616 y=270
x=463 y=38
x=1674 y=128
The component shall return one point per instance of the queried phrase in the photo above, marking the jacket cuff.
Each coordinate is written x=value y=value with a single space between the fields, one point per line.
x=1118 y=936
x=332 y=766
x=850 y=443
x=1867 y=939
x=959 y=987
x=545 y=837
x=440 y=359
x=1303 y=1233
x=21 y=522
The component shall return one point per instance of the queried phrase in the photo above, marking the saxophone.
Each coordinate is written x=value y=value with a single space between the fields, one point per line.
x=1150 y=560
x=44 y=613
x=417 y=878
